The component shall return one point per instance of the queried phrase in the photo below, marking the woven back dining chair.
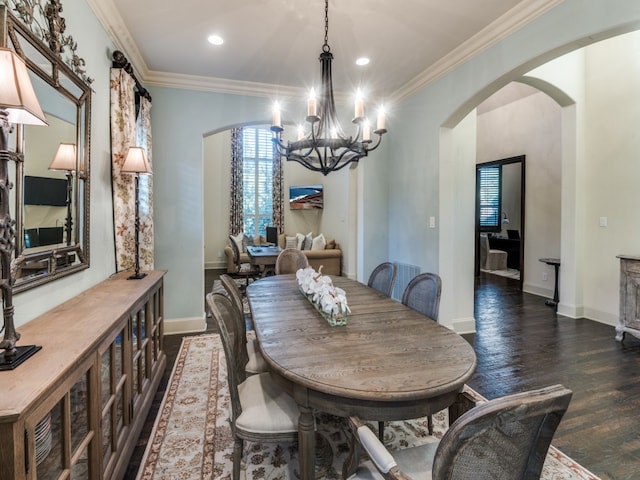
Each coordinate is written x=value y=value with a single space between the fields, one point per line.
x=422 y=294
x=290 y=260
x=502 y=439
x=383 y=277
x=260 y=410
x=247 y=271
x=255 y=360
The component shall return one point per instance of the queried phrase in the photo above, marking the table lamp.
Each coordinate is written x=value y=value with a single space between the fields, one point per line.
x=65 y=160
x=18 y=105
x=136 y=162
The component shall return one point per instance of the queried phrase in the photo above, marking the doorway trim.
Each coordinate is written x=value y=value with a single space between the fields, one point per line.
x=504 y=161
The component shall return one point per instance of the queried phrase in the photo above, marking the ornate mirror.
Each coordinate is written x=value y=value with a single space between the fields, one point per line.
x=51 y=171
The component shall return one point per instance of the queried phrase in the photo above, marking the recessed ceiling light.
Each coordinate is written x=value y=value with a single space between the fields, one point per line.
x=362 y=61
x=215 y=40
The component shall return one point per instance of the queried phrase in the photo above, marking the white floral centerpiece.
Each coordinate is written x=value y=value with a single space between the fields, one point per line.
x=329 y=300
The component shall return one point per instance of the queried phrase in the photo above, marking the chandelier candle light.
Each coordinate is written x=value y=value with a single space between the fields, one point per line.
x=325 y=147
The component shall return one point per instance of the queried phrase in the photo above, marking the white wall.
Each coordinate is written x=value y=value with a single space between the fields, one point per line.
x=530 y=126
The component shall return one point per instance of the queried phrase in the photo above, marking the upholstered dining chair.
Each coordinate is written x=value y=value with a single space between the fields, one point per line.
x=491 y=258
x=383 y=277
x=260 y=410
x=290 y=260
x=502 y=439
x=247 y=271
x=255 y=362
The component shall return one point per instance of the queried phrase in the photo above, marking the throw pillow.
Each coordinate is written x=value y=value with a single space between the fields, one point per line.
x=308 y=241
x=246 y=240
x=282 y=240
x=318 y=243
x=238 y=240
x=291 y=242
x=331 y=244
x=300 y=238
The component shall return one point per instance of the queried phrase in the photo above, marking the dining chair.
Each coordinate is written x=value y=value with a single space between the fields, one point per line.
x=502 y=439
x=383 y=277
x=255 y=362
x=290 y=260
x=260 y=410
x=248 y=271
x=422 y=294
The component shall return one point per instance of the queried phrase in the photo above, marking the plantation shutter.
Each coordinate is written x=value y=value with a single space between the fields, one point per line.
x=258 y=180
x=489 y=187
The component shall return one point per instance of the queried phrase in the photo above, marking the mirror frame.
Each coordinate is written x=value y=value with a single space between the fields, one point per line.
x=68 y=67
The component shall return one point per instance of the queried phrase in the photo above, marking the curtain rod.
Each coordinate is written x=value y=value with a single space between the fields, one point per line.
x=120 y=61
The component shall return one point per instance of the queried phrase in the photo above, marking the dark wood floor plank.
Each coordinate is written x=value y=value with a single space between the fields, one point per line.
x=522 y=344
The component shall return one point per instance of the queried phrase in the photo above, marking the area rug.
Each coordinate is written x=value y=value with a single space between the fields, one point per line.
x=509 y=273
x=192 y=439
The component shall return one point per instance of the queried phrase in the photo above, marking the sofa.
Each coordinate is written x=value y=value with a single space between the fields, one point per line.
x=330 y=258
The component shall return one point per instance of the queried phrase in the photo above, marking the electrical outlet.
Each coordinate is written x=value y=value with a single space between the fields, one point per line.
x=545 y=276
x=432 y=222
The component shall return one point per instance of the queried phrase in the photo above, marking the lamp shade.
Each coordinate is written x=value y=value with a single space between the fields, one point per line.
x=136 y=161
x=65 y=158
x=17 y=97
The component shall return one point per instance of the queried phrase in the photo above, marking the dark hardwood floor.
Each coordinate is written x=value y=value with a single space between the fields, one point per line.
x=522 y=344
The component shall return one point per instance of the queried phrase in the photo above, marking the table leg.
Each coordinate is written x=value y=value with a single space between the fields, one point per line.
x=306 y=443
x=556 y=295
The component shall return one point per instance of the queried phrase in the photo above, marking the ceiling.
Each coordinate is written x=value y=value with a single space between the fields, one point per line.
x=273 y=45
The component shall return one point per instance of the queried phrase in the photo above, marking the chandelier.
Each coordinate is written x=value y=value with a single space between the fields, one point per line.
x=323 y=146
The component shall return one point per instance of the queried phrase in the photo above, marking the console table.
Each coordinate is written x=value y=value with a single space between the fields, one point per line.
x=76 y=408
x=628 y=322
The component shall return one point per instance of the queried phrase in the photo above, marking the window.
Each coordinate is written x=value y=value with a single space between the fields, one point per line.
x=489 y=187
x=257 y=157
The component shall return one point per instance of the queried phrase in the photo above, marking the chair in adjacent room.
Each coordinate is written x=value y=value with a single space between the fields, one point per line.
x=490 y=258
x=248 y=271
x=255 y=362
x=260 y=410
x=290 y=260
x=502 y=439
x=383 y=277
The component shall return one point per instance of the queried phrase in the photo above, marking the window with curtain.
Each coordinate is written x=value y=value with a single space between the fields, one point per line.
x=257 y=193
x=489 y=188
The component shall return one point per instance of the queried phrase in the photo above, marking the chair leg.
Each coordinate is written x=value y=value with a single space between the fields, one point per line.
x=238 y=450
x=381 y=431
x=430 y=424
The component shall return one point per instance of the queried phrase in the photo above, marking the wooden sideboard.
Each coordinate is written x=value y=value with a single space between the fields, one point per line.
x=76 y=408
x=628 y=322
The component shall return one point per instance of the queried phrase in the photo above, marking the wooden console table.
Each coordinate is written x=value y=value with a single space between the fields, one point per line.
x=76 y=408
x=628 y=322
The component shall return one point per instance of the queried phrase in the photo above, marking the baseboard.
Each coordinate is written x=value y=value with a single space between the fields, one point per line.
x=185 y=325
x=601 y=317
x=537 y=290
x=215 y=265
x=464 y=325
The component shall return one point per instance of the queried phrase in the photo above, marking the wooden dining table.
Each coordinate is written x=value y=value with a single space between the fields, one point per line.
x=388 y=362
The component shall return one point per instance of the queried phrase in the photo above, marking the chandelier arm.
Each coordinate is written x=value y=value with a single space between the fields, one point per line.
x=370 y=149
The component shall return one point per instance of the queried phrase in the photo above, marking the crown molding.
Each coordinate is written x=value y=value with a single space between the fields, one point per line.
x=520 y=15
x=510 y=22
x=111 y=20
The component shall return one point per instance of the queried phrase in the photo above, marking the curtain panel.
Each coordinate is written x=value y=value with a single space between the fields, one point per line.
x=143 y=139
x=277 y=219
x=236 y=222
x=126 y=131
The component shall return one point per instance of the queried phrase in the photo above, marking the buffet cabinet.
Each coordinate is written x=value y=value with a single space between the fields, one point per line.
x=629 y=320
x=76 y=408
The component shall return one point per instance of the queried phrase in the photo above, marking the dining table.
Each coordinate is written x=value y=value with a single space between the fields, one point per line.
x=388 y=362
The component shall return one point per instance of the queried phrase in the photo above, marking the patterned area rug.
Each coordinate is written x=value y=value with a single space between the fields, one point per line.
x=192 y=438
